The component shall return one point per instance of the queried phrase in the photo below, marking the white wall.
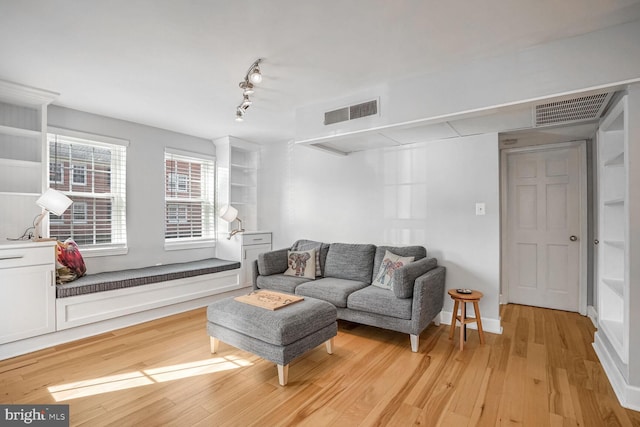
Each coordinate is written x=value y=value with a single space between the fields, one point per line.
x=544 y=70
x=145 y=186
x=422 y=194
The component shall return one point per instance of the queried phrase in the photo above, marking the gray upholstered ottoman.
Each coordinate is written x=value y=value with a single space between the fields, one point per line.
x=279 y=336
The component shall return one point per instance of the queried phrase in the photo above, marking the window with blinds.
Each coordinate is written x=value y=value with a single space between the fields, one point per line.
x=92 y=174
x=189 y=198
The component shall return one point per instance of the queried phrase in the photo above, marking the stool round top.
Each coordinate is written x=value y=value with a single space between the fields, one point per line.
x=474 y=295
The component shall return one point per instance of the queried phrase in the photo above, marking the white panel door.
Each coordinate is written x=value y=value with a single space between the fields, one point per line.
x=543 y=214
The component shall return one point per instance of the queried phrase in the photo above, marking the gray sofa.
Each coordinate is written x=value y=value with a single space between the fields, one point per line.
x=344 y=278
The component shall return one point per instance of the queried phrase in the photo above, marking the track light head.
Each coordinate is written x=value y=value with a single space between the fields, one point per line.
x=254 y=76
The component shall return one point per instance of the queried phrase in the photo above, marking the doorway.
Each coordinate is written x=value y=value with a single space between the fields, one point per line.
x=544 y=255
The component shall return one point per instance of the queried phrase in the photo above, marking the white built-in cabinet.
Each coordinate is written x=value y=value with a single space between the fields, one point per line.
x=245 y=247
x=23 y=168
x=27 y=290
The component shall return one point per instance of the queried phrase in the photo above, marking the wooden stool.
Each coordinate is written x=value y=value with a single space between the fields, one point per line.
x=461 y=300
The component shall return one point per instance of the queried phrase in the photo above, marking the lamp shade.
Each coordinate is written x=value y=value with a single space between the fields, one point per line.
x=54 y=201
x=228 y=213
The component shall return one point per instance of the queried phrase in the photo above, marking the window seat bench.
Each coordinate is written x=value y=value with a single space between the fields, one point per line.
x=111 y=280
x=103 y=296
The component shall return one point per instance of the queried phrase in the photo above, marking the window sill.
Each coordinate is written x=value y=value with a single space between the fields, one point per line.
x=98 y=252
x=193 y=244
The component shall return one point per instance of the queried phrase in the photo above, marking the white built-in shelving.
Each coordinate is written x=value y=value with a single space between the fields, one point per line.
x=237 y=179
x=613 y=251
x=23 y=169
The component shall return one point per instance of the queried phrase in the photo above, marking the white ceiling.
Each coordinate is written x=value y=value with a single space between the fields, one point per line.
x=176 y=64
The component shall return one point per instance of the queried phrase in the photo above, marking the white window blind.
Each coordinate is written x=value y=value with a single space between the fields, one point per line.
x=189 y=198
x=92 y=173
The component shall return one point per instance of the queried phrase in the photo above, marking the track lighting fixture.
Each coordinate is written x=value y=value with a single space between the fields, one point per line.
x=252 y=77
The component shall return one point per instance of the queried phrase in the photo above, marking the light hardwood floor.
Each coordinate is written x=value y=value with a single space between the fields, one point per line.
x=542 y=371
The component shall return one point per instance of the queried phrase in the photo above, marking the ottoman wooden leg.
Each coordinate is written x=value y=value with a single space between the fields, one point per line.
x=214 y=345
x=283 y=374
x=329 y=345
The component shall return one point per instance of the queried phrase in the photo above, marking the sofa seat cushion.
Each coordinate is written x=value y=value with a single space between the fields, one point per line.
x=350 y=261
x=280 y=282
x=330 y=289
x=373 y=299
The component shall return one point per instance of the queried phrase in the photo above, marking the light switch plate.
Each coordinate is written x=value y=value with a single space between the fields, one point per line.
x=480 y=209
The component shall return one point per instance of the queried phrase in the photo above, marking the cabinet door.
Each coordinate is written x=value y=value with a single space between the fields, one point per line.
x=249 y=255
x=27 y=302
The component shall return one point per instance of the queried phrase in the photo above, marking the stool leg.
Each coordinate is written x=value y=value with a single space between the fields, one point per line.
x=329 y=345
x=214 y=344
x=478 y=321
x=453 y=319
x=463 y=316
x=283 y=374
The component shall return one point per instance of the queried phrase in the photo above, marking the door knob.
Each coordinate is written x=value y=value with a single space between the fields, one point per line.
x=595 y=242
x=573 y=238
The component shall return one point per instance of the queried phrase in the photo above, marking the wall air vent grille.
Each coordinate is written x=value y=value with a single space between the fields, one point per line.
x=352 y=112
x=336 y=116
x=583 y=108
x=365 y=109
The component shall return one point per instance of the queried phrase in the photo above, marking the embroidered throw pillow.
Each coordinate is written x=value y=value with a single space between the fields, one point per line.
x=69 y=262
x=390 y=263
x=301 y=264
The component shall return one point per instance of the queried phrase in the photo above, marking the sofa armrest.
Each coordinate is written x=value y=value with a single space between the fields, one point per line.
x=428 y=299
x=254 y=274
x=405 y=277
x=274 y=262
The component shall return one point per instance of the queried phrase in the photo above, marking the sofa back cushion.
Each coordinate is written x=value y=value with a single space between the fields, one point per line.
x=321 y=252
x=350 y=261
x=417 y=252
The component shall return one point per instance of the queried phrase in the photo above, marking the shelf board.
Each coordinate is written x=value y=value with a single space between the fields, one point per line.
x=237 y=184
x=614 y=330
x=615 y=161
x=616 y=285
x=9 y=130
x=244 y=167
x=11 y=193
x=613 y=202
x=615 y=243
x=20 y=163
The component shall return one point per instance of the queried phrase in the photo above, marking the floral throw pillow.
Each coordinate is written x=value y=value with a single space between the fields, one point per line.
x=390 y=263
x=69 y=262
x=301 y=264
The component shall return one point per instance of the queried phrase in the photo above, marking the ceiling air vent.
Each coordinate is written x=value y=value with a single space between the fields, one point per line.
x=352 y=112
x=583 y=108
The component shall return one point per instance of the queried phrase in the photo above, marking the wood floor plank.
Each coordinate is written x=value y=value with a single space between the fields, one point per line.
x=542 y=371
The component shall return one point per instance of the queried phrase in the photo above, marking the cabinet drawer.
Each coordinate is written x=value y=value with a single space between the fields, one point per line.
x=18 y=257
x=256 y=239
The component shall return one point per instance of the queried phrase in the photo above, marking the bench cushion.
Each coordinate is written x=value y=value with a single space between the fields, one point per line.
x=111 y=280
x=278 y=327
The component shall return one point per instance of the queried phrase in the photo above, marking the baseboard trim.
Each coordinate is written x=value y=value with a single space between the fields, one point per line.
x=593 y=315
x=628 y=395
x=488 y=324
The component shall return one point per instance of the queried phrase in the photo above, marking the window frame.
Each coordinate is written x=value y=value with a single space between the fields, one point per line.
x=74 y=168
x=118 y=179
x=208 y=231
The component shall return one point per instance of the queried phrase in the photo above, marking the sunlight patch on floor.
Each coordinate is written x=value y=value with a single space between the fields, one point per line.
x=129 y=380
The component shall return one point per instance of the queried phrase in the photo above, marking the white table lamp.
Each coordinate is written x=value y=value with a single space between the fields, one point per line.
x=51 y=201
x=229 y=213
